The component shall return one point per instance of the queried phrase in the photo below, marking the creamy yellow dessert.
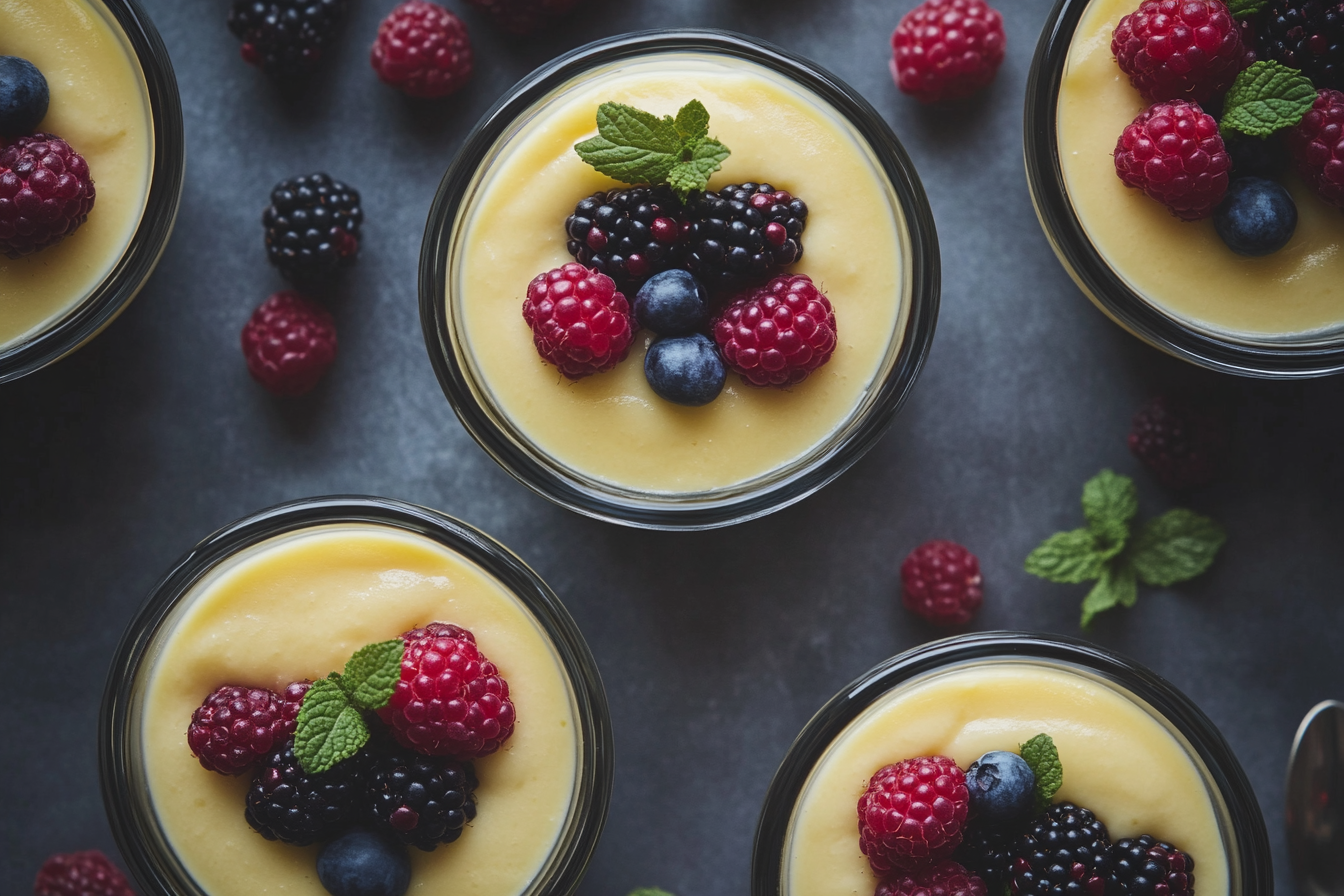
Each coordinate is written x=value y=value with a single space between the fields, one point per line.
x=1119 y=761
x=297 y=606
x=611 y=428
x=100 y=106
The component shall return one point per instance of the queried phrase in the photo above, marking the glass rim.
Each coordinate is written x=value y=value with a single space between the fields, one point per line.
x=141 y=255
x=1252 y=866
x=137 y=833
x=657 y=510
x=1095 y=277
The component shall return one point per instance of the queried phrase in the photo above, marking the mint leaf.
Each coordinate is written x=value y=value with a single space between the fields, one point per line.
x=1108 y=497
x=1068 y=557
x=1267 y=97
x=329 y=729
x=1243 y=8
x=1117 y=585
x=372 y=672
x=1178 y=545
x=687 y=177
x=632 y=146
x=692 y=122
x=1041 y=756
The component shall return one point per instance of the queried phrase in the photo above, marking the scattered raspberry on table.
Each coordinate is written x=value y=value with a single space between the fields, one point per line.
x=1174 y=153
x=947 y=49
x=46 y=192
x=1185 y=446
x=913 y=813
x=289 y=342
x=1180 y=49
x=88 y=873
x=941 y=582
x=580 y=322
x=422 y=50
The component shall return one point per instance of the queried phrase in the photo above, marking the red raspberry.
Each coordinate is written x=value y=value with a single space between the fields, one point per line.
x=1316 y=145
x=1184 y=446
x=1174 y=153
x=236 y=727
x=45 y=193
x=943 y=879
x=1180 y=49
x=289 y=342
x=947 y=49
x=88 y=873
x=941 y=582
x=523 y=16
x=422 y=50
x=450 y=700
x=912 y=813
x=580 y=322
x=777 y=334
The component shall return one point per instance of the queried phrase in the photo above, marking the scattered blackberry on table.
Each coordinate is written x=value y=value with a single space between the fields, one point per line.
x=742 y=235
x=1306 y=35
x=1145 y=866
x=422 y=50
x=1315 y=144
x=1065 y=851
x=945 y=878
x=986 y=850
x=285 y=38
x=287 y=804
x=941 y=582
x=685 y=369
x=777 y=334
x=912 y=812
x=420 y=800
x=1002 y=788
x=46 y=193
x=289 y=342
x=362 y=863
x=628 y=234
x=312 y=227
x=1257 y=217
x=1185 y=446
x=523 y=16
x=24 y=97
x=236 y=727
x=947 y=49
x=1190 y=50
x=1174 y=153
x=88 y=873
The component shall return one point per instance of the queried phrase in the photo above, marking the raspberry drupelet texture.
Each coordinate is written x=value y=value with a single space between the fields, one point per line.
x=1316 y=146
x=523 y=16
x=237 y=727
x=450 y=700
x=422 y=50
x=1065 y=851
x=742 y=235
x=947 y=49
x=421 y=800
x=312 y=227
x=912 y=813
x=941 y=582
x=777 y=334
x=285 y=38
x=88 y=873
x=1306 y=35
x=1145 y=866
x=45 y=193
x=1185 y=446
x=628 y=234
x=285 y=803
x=1180 y=49
x=1174 y=153
x=945 y=878
x=580 y=322
x=289 y=342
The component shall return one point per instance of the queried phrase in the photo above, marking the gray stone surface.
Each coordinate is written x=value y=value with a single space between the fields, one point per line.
x=716 y=647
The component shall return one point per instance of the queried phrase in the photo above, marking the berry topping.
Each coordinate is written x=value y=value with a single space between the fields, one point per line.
x=24 y=97
x=942 y=879
x=685 y=369
x=1174 y=153
x=523 y=16
x=672 y=303
x=1257 y=217
x=312 y=227
x=912 y=812
x=627 y=234
x=285 y=803
x=289 y=342
x=45 y=193
x=1002 y=787
x=941 y=582
x=1306 y=35
x=420 y=800
x=986 y=851
x=1144 y=866
x=1064 y=852
x=1316 y=146
x=779 y=333
x=422 y=50
x=1180 y=49
x=88 y=873
x=285 y=37
x=450 y=700
x=1183 y=445
x=235 y=728
x=947 y=49
x=362 y=863
x=291 y=699
x=1255 y=156
x=580 y=323
x=743 y=234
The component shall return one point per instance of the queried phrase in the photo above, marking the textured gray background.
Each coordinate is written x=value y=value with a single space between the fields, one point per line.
x=716 y=647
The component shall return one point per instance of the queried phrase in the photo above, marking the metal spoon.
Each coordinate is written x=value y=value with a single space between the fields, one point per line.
x=1314 y=811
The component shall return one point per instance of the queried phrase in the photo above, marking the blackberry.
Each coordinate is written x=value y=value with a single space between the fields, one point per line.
x=1145 y=866
x=628 y=234
x=1064 y=851
x=312 y=227
x=421 y=800
x=987 y=852
x=743 y=234
x=284 y=803
x=1304 y=34
x=1185 y=445
x=285 y=37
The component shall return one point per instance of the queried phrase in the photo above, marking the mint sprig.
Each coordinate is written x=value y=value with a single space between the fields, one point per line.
x=638 y=147
x=1176 y=546
x=1042 y=758
x=330 y=727
x=1267 y=96
x=1243 y=8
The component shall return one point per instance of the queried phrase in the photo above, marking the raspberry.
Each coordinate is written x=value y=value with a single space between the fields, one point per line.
x=312 y=227
x=450 y=700
x=420 y=800
x=1184 y=446
x=1144 y=866
x=580 y=322
x=235 y=728
x=45 y=193
x=777 y=334
x=523 y=16
x=1174 y=153
x=1064 y=852
x=422 y=50
x=743 y=235
x=286 y=803
x=912 y=813
x=986 y=851
x=943 y=879
x=1316 y=145
x=947 y=49
x=628 y=234
x=289 y=342
x=285 y=37
x=1180 y=49
x=88 y=873
x=941 y=582
x=1306 y=35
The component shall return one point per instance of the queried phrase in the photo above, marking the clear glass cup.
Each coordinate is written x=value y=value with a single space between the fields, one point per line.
x=122 y=741
x=508 y=441
x=1240 y=825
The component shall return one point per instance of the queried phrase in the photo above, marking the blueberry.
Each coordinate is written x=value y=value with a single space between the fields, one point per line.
x=1002 y=787
x=685 y=369
x=362 y=863
x=1257 y=216
x=672 y=303
x=23 y=97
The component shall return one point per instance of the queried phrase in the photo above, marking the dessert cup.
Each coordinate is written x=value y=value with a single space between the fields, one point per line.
x=299 y=585
x=966 y=695
x=606 y=446
x=114 y=98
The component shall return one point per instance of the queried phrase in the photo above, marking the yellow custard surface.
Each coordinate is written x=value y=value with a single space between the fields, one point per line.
x=297 y=607
x=1118 y=761
x=1184 y=268
x=100 y=106
x=611 y=427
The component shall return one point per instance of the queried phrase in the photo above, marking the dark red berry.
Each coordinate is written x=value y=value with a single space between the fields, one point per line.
x=629 y=234
x=913 y=813
x=941 y=582
x=88 y=873
x=422 y=50
x=289 y=342
x=777 y=334
x=947 y=49
x=1174 y=153
x=286 y=37
x=1180 y=49
x=1306 y=35
x=1145 y=866
x=1184 y=445
x=1316 y=145
x=236 y=727
x=46 y=192
x=725 y=242
x=945 y=878
x=580 y=322
x=1065 y=851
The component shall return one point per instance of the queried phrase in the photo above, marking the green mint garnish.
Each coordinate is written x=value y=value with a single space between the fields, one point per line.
x=1266 y=97
x=330 y=727
x=637 y=147
x=1171 y=548
x=1041 y=756
x=1243 y=8
x=371 y=673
